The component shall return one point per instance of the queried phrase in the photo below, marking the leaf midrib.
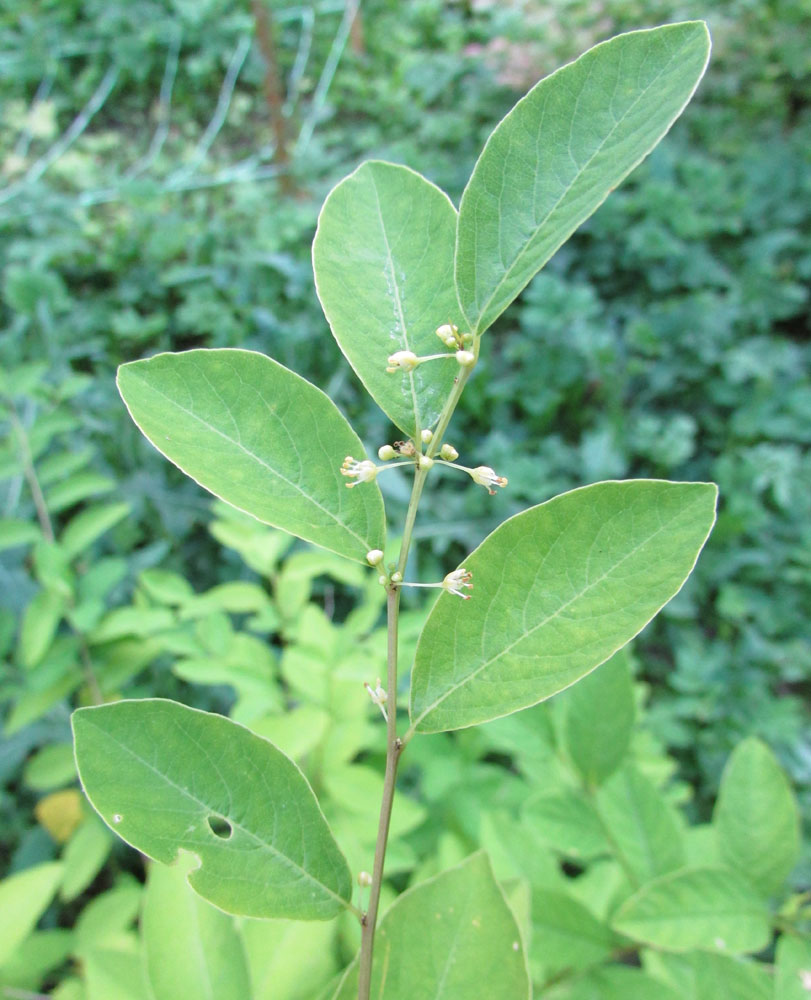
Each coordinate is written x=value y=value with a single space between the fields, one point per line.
x=542 y=624
x=531 y=243
x=238 y=444
x=205 y=805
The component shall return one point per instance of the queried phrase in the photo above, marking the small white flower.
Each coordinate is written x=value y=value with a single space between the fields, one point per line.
x=448 y=452
x=466 y=358
x=374 y=557
x=449 y=335
x=378 y=696
x=427 y=436
x=486 y=477
x=362 y=472
x=405 y=361
x=386 y=453
x=426 y=462
x=455 y=581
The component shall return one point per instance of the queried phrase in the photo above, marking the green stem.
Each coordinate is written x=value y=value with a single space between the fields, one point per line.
x=30 y=474
x=394 y=745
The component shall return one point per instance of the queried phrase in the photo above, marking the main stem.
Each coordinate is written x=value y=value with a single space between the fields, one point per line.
x=394 y=746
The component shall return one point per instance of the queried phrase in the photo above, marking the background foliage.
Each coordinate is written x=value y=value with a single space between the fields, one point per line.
x=669 y=338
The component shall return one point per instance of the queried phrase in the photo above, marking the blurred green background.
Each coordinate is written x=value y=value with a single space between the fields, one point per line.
x=146 y=204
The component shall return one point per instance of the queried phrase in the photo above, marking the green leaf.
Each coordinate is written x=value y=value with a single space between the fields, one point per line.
x=23 y=899
x=260 y=437
x=560 y=152
x=50 y=767
x=90 y=524
x=617 y=982
x=712 y=909
x=168 y=778
x=793 y=963
x=756 y=817
x=14 y=531
x=191 y=949
x=289 y=960
x=84 y=856
x=383 y=262
x=451 y=936
x=568 y=824
x=559 y=589
x=39 y=625
x=705 y=976
x=641 y=825
x=598 y=719
x=565 y=935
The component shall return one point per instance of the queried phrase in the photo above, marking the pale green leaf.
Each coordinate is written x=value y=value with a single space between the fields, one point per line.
x=599 y=718
x=568 y=824
x=793 y=963
x=289 y=960
x=561 y=151
x=84 y=856
x=452 y=937
x=565 y=935
x=50 y=767
x=90 y=524
x=260 y=437
x=14 y=531
x=23 y=899
x=191 y=949
x=711 y=909
x=706 y=976
x=756 y=817
x=383 y=262
x=558 y=590
x=614 y=982
x=39 y=625
x=168 y=778
x=641 y=825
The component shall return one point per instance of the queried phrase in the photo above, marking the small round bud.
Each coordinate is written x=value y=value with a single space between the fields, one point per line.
x=448 y=333
x=426 y=462
x=386 y=453
x=403 y=361
x=364 y=880
x=427 y=436
x=382 y=580
x=448 y=452
x=374 y=557
x=466 y=358
x=397 y=577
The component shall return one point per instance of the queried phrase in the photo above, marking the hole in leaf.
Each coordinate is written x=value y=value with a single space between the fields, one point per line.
x=220 y=827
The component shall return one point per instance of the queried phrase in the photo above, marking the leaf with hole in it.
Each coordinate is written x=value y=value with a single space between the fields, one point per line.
x=561 y=151
x=451 y=936
x=260 y=437
x=756 y=817
x=558 y=590
x=167 y=778
x=711 y=909
x=383 y=263
x=191 y=949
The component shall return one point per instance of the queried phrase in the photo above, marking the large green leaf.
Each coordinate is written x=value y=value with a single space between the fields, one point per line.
x=191 y=949
x=260 y=437
x=560 y=152
x=756 y=817
x=167 y=778
x=558 y=590
x=598 y=719
x=452 y=937
x=641 y=825
x=383 y=262
x=711 y=909
x=566 y=935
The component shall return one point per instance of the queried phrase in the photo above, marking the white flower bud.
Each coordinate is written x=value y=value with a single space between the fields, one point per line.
x=427 y=436
x=405 y=361
x=448 y=452
x=386 y=453
x=448 y=334
x=364 y=880
x=466 y=358
x=397 y=577
x=374 y=557
x=426 y=462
